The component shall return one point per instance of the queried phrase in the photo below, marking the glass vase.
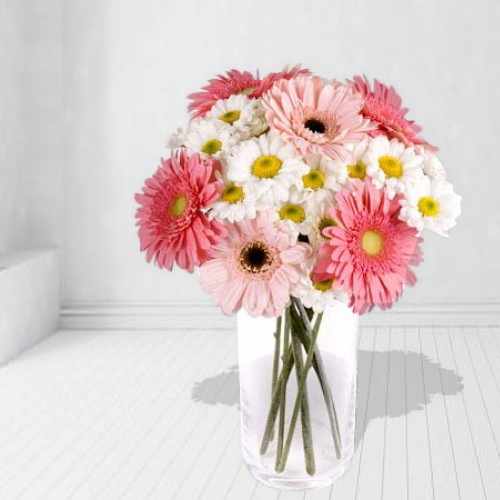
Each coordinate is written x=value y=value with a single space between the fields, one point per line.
x=298 y=395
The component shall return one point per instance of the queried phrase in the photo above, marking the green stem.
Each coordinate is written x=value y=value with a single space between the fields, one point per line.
x=304 y=411
x=303 y=337
x=276 y=360
x=298 y=401
x=325 y=386
x=282 y=407
x=288 y=363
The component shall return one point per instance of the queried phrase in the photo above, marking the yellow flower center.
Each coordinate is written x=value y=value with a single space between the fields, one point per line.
x=357 y=170
x=266 y=167
x=372 y=242
x=212 y=146
x=323 y=286
x=324 y=223
x=230 y=116
x=391 y=166
x=429 y=206
x=233 y=193
x=314 y=180
x=178 y=206
x=292 y=212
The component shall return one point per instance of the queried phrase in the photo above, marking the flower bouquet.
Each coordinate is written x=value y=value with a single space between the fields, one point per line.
x=297 y=199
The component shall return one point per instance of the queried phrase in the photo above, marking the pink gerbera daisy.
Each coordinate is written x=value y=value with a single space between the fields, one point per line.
x=254 y=267
x=383 y=106
x=316 y=116
x=287 y=74
x=236 y=82
x=172 y=225
x=221 y=87
x=371 y=250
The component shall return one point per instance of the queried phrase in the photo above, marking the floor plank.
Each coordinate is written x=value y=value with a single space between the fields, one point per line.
x=470 y=481
x=420 y=474
x=369 y=484
x=395 y=471
x=345 y=487
x=443 y=451
x=478 y=411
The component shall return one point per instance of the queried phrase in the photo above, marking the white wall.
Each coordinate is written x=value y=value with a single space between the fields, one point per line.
x=128 y=66
x=30 y=123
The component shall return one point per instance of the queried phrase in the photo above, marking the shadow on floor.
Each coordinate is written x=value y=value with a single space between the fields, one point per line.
x=440 y=381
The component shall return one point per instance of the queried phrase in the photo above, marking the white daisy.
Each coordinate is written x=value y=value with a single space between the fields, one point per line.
x=269 y=165
x=245 y=116
x=295 y=212
x=257 y=124
x=236 y=203
x=209 y=137
x=323 y=178
x=321 y=219
x=431 y=204
x=432 y=164
x=393 y=165
x=355 y=168
x=176 y=140
x=434 y=168
x=317 y=295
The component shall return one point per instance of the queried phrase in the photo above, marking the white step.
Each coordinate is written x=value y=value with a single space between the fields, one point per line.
x=29 y=299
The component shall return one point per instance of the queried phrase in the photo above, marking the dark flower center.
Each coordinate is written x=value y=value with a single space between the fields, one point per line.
x=315 y=126
x=255 y=257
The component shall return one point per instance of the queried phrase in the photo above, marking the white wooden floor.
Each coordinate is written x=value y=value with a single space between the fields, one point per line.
x=101 y=415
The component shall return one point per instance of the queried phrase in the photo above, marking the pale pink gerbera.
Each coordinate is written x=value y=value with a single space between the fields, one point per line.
x=316 y=116
x=370 y=251
x=172 y=225
x=254 y=267
x=236 y=82
x=383 y=106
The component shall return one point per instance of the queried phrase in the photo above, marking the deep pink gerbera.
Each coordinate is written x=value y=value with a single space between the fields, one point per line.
x=172 y=225
x=371 y=250
x=287 y=74
x=318 y=117
x=236 y=82
x=254 y=267
x=383 y=106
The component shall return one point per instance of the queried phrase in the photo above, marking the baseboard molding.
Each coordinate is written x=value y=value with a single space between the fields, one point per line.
x=198 y=316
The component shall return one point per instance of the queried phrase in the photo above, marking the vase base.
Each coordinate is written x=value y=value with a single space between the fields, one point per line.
x=282 y=482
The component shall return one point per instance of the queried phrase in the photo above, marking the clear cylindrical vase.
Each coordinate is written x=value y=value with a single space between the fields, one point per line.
x=298 y=395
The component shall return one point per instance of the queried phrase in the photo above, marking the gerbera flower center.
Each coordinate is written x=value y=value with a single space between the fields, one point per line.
x=233 y=193
x=314 y=180
x=256 y=257
x=324 y=223
x=212 y=146
x=266 y=167
x=372 y=242
x=429 y=206
x=292 y=212
x=357 y=170
x=230 y=116
x=315 y=125
x=178 y=206
x=391 y=166
x=323 y=286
